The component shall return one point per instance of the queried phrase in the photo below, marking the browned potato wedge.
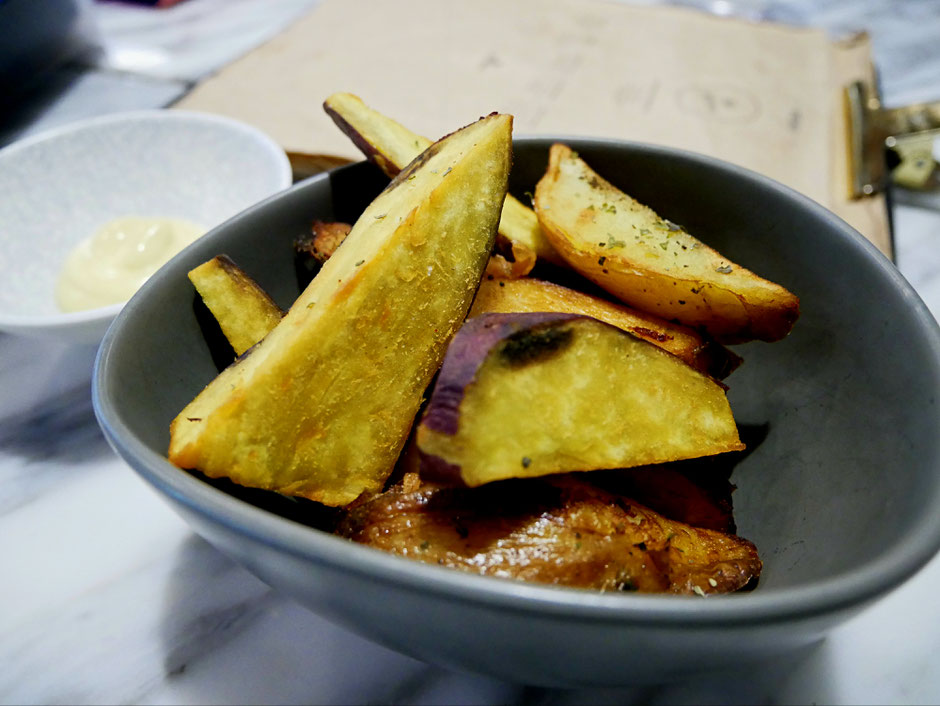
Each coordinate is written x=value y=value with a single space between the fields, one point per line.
x=695 y=498
x=243 y=309
x=322 y=406
x=522 y=395
x=509 y=260
x=312 y=249
x=528 y=295
x=559 y=530
x=391 y=146
x=651 y=263
x=325 y=238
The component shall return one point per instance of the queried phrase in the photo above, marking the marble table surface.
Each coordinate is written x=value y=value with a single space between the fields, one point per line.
x=108 y=597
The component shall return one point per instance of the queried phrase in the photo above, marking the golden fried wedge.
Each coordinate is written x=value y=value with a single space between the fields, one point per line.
x=243 y=309
x=522 y=395
x=651 y=263
x=323 y=405
x=528 y=295
x=391 y=146
x=559 y=530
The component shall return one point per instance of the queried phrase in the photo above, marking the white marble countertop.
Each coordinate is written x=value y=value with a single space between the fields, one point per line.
x=108 y=597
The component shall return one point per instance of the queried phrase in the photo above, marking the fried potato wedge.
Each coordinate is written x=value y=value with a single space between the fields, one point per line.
x=651 y=263
x=522 y=395
x=530 y=295
x=312 y=249
x=243 y=309
x=322 y=406
x=559 y=530
x=391 y=146
x=325 y=237
x=676 y=492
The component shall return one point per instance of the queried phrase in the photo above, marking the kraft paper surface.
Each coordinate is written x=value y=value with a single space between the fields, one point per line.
x=763 y=96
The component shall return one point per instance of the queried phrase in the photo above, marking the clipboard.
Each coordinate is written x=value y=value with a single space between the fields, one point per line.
x=767 y=97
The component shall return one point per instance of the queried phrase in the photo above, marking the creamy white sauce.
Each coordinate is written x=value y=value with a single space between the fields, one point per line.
x=110 y=265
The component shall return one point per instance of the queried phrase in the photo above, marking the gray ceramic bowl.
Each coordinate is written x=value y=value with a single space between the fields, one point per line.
x=842 y=497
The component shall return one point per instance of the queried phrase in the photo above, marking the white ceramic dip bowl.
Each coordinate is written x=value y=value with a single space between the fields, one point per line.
x=61 y=186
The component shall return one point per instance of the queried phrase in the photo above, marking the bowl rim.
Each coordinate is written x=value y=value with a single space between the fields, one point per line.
x=846 y=590
x=68 y=320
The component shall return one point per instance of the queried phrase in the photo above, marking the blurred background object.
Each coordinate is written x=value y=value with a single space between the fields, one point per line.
x=39 y=36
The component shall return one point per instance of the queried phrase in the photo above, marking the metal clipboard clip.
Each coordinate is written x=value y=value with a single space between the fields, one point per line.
x=892 y=146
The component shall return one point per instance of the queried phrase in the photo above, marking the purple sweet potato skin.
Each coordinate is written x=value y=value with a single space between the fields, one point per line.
x=437 y=470
x=364 y=146
x=466 y=354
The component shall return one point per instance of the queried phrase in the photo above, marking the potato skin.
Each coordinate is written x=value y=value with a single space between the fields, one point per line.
x=651 y=263
x=464 y=358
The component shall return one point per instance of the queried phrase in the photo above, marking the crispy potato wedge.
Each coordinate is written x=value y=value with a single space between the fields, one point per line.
x=312 y=249
x=322 y=406
x=522 y=395
x=391 y=146
x=559 y=530
x=676 y=492
x=651 y=263
x=325 y=238
x=243 y=309
x=530 y=295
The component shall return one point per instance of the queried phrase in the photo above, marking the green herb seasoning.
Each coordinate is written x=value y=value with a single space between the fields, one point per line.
x=614 y=243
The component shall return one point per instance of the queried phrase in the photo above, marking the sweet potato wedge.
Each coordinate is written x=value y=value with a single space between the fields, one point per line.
x=651 y=263
x=391 y=146
x=530 y=295
x=323 y=405
x=523 y=395
x=244 y=311
x=559 y=530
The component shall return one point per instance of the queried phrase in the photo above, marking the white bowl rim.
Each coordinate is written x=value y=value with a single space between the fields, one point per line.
x=69 y=319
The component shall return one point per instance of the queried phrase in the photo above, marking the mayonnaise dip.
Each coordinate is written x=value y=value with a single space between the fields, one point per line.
x=110 y=265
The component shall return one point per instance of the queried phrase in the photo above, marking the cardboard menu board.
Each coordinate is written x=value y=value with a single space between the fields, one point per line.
x=764 y=96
